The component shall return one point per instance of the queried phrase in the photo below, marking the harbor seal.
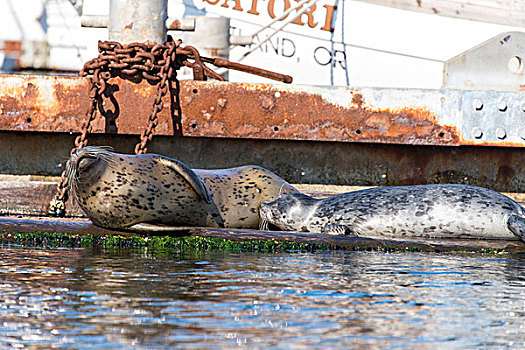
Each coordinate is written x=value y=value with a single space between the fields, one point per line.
x=148 y=192
x=430 y=211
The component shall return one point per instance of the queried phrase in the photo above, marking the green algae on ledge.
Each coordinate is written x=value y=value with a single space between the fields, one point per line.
x=69 y=240
x=198 y=243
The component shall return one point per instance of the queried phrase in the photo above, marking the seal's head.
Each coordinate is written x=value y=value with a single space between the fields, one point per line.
x=86 y=165
x=289 y=212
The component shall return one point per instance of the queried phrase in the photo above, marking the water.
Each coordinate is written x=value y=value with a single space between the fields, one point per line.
x=95 y=299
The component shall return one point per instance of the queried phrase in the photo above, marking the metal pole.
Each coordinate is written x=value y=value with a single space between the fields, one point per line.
x=138 y=21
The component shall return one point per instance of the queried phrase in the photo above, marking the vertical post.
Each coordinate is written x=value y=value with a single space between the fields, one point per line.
x=138 y=21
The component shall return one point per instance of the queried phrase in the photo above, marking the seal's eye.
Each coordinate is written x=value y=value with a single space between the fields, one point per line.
x=85 y=162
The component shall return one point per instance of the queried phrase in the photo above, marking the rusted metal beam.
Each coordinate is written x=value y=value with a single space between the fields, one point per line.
x=264 y=111
x=209 y=109
x=313 y=162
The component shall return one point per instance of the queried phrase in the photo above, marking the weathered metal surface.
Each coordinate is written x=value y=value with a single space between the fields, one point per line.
x=264 y=111
x=497 y=64
x=101 y=21
x=138 y=21
x=85 y=227
x=181 y=24
x=491 y=118
x=309 y=113
x=33 y=103
x=337 y=163
x=31 y=198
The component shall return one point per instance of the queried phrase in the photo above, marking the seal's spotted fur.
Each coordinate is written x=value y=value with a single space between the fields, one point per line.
x=445 y=211
x=119 y=190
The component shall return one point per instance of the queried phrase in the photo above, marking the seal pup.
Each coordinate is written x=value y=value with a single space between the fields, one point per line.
x=437 y=211
x=149 y=192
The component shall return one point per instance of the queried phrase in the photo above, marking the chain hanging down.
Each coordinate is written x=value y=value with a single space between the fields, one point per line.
x=134 y=62
x=158 y=64
x=57 y=206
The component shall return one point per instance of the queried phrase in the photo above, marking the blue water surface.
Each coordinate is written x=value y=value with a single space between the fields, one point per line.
x=122 y=299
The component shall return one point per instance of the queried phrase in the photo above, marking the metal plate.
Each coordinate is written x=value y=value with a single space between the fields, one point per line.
x=493 y=118
x=274 y=112
x=497 y=64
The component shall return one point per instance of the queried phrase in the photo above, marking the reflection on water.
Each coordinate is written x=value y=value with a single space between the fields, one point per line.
x=77 y=299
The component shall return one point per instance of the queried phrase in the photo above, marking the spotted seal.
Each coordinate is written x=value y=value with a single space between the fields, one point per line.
x=441 y=211
x=148 y=192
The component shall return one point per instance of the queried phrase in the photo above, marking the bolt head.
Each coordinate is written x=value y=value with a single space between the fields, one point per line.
x=515 y=65
x=476 y=132
x=501 y=133
x=502 y=106
x=477 y=104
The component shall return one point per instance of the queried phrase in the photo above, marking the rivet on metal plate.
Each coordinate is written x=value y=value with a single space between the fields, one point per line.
x=477 y=104
x=501 y=133
x=515 y=65
x=502 y=106
x=476 y=132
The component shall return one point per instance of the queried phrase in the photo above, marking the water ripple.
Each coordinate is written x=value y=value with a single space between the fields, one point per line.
x=79 y=299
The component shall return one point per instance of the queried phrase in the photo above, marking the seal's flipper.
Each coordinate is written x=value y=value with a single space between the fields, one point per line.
x=155 y=228
x=189 y=175
x=336 y=229
x=517 y=225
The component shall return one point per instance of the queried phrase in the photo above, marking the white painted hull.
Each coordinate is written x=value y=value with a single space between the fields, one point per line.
x=342 y=42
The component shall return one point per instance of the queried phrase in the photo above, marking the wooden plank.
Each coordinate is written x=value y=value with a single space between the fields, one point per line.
x=84 y=227
x=507 y=12
x=31 y=198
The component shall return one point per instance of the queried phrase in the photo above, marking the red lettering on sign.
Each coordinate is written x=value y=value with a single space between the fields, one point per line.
x=329 y=18
x=236 y=7
x=253 y=10
x=309 y=13
x=271 y=5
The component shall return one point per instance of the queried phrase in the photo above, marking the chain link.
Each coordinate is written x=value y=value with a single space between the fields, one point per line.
x=57 y=206
x=137 y=61
x=166 y=73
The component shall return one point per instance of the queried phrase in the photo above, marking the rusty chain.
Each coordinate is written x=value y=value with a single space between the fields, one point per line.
x=137 y=61
x=166 y=73
x=57 y=206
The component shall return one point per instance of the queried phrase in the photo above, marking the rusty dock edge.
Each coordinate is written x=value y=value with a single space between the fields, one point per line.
x=226 y=110
x=306 y=134
x=319 y=135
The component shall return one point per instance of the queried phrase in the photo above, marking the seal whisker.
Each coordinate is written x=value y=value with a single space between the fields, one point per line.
x=263 y=224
